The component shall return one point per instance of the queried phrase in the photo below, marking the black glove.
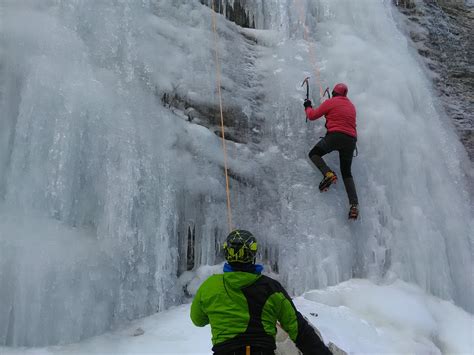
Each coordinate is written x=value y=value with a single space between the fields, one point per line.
x=307 y=103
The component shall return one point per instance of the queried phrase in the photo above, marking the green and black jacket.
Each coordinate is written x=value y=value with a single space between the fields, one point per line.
x=243 y=309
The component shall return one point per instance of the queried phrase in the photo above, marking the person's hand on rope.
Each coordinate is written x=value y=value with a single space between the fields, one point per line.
x=307 y=103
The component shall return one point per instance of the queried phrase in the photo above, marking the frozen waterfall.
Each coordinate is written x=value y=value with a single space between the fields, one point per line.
x=111 y=173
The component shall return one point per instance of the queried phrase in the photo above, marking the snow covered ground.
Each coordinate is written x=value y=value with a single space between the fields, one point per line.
x=357 y=315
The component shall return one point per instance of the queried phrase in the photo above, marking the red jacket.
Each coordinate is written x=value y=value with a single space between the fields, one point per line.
x=340 y=115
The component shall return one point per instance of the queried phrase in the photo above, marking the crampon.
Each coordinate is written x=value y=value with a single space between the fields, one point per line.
x=329 y=179
x=354 y=212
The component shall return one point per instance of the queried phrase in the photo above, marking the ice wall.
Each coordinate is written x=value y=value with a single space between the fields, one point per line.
x=111 y=173
x=416 y=218
x=99 y=177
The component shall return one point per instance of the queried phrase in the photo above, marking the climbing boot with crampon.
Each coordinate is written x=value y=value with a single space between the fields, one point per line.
x=329 y=179
x=353 y=212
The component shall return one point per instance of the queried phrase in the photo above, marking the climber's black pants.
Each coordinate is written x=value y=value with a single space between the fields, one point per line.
x=345 y=145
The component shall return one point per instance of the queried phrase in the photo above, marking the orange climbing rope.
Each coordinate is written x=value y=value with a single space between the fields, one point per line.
x=218 y=83
x=312 y=52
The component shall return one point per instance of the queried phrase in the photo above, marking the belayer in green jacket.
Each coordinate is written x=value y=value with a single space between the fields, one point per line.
x=243 y=307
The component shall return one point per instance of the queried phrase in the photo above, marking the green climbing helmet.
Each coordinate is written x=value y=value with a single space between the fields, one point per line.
x=240 y=247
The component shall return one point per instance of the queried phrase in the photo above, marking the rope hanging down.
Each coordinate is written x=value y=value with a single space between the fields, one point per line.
x=218 y=83
x=312 y=52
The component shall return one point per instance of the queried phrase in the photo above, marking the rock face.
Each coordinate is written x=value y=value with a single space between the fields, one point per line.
x=442 y=32
x=233 y=10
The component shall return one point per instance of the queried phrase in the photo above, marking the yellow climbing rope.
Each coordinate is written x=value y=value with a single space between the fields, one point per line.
x=312 y=52
x=219 y=92
x=218 y=83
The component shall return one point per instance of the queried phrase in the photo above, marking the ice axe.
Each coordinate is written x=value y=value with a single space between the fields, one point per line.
x=305 y=81
x=327 y=92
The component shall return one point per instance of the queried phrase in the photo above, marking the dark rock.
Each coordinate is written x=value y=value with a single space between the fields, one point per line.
x=447 y=43
x=234 y=11
x=138 y=332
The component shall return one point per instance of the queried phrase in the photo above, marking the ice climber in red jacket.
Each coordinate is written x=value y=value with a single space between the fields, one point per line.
x=341 y=135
